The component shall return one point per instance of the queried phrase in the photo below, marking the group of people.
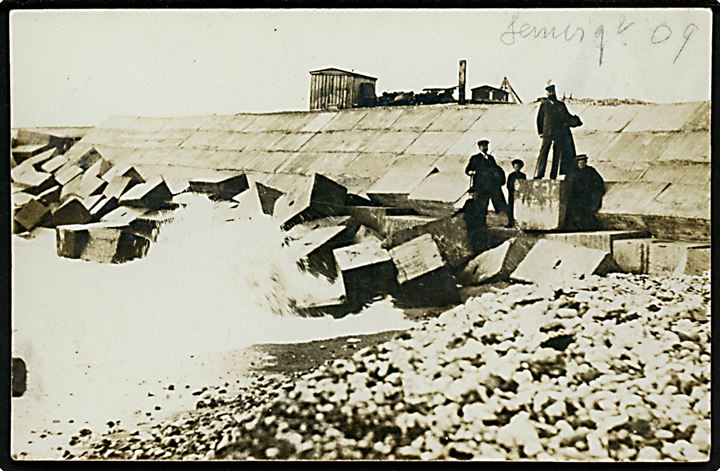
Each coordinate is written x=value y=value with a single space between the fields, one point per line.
x=487 y=178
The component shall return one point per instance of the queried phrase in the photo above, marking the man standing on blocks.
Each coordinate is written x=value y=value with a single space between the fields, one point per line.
x=553 y=125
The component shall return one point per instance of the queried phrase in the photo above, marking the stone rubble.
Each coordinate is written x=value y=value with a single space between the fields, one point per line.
x=614 y=368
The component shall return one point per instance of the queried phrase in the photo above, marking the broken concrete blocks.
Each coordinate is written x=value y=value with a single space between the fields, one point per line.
x=422 y=274
x=72 y=211
x=367 y=270
x=540 y=204
x=100 y=242
x=496 y=263
x=220 y=187
x=31 y=214
x=150 y=195
x=103 y=206
x=320 y=196
x=551 y=262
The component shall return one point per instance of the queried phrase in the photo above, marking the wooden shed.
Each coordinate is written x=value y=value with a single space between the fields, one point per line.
x=336 y=89
x=488 y=93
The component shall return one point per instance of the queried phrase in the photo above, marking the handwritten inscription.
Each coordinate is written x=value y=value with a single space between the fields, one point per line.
x=517 y=31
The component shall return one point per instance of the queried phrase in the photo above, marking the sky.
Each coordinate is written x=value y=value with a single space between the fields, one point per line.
x=78 y=67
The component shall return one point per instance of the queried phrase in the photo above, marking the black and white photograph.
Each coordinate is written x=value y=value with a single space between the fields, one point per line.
x=360 y=234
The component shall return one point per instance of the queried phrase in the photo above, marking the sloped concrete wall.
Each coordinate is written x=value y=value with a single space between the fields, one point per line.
x=634 y=145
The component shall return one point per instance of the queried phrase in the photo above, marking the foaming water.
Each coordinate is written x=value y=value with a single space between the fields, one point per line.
x=206 y=285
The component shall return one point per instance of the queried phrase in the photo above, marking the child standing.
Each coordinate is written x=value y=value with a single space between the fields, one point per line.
x=515 y=175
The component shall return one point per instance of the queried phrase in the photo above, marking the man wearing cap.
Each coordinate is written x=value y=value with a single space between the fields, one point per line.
x=486 y=181
x=553 y=125
x=585 y=196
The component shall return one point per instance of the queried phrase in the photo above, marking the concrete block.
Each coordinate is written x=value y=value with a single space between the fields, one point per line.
x=124 y=215
x=103 y=207
x=497 y=263
x=98 y=169
x=374 y=216
x=438 y=193
x=31 y=180
x=90 y=186
x=150 y=195
x=221 y=186
x=23 y=152
x=540 y=204
x=450 y=235
x=314 y=249
x=67 y=173
x=422 y=274
x=37 y=161
x=51 y=195
x=72 y=188
x=54 y=164
x=91 y=201
x=678 y=258
x=633 y=255
x=31 y=214
x=393 y=224
x=600 y=240
x=72 y=211
x=149 y=224
x=552 y=263
x=268 y=197
x=100 y=242
x=365 y=234
x=366 y=270
x=89 y=158
x=117 y=186
x=123 y=170
x=315 y=197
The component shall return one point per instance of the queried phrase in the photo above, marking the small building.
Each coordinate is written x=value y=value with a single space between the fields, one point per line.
x=489 y=94
x=337 y=89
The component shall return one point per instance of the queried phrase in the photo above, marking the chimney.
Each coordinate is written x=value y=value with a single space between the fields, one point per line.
x=461 y=82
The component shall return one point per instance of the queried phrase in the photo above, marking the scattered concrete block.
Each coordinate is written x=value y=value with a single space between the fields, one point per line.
x=22 y=153
x=31 y=214
x=393 y=224
x=51 y=195
x=148 y=225
x=67 y=173
x=72 y=211
x=32 y=181
x=497 y=263
x=83 y=187
x=124 y=215
x=314 y=250
x=20 y=199
x=150 y=195
x=678 y=258
x=101 y=242
x=367 y=270
x=54 y=164
x=438 y=194
x=551 y=262
x=103 y=207
x=450 y=235
x=301 y=229
x=633 y=255
x=321 y=196
x=37 y=161
x=91 y=201
x=89 y=158
x=117 y=186
x=600 y=240
x=123 y=170
x=98 y=169
x=540 y=204
x=374 y=216
x=423 y=276
x=268 y=197
x=221 y=186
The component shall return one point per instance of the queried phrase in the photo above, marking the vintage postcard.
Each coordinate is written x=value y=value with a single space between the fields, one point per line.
x=377 y=234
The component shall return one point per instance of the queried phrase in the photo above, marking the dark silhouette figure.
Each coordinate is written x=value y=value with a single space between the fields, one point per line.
x=585 y=197
x=553 y=125
x=515 y=175
x=487 y=179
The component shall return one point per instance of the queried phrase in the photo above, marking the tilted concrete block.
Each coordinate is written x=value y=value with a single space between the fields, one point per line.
x=150 y=195
x=117 y=186
x=393 y=224
x=100 y=242
x=149 y=224
x=51 y=195
x=72 y=211
x=367 y=270
x=423 y=276
x=98 y=169
x=374 y=216
x=30 y=180
x=268 y=197
x=220 y=186
x=103 y=207
x=83 y=187
x=124 y=215
x=314 y=249
x=316 y=197
x=31 y=214
x=67 y=173
x=37 y=161
x=54 y=164
x=123 y=170
x=540 y=205
x=497 y=263
x=551 y=262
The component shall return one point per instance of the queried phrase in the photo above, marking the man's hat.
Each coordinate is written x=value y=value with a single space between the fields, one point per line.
x=550 y=86
x=517 y=161
x=581 y=157
x=483 y=141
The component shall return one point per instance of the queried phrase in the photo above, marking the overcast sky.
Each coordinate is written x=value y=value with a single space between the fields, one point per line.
x=79 y=67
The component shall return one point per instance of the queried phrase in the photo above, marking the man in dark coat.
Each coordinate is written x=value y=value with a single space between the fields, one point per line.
x=553 y=125
x=585 y=196
x=487 y=179
x=517 y=174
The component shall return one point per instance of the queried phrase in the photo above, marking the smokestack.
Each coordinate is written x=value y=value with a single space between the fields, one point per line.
x=461 y=82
